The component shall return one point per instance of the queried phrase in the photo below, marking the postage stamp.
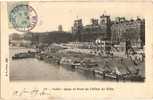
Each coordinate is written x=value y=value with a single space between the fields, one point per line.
x=23 y=18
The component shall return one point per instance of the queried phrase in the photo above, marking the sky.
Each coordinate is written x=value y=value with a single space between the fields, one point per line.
x=52 y=14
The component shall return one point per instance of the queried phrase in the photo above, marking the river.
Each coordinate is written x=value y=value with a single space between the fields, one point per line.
x=32 y=69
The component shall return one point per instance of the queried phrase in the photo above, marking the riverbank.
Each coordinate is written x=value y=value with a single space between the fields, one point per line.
x=101 y=67
x=115 y=68
x=32 y=69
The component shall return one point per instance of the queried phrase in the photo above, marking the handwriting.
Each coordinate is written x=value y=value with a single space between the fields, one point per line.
x=49 y=91
x=32 y=92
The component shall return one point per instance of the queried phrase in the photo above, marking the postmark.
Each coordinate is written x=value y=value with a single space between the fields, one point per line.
x=23 y=18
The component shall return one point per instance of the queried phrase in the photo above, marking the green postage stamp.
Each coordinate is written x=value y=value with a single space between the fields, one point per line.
x=23 y=17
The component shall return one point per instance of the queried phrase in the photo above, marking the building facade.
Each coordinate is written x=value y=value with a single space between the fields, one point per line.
x=95 y=29
x=117 y=30
x=123 y=29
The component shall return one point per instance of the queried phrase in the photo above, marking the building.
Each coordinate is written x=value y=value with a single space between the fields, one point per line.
x=118 y=30
x=77 y=29
x=105 y=26
x=123 y=29
x=60 y=28
x=92 y=31
x=20 y=43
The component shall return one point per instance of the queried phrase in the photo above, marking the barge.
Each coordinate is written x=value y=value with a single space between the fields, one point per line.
x=24 y=55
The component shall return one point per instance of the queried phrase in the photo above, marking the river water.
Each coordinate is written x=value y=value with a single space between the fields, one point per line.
x=32 y=69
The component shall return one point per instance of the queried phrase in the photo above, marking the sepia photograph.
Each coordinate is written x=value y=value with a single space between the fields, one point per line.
x=58 y=50
x=75 y=43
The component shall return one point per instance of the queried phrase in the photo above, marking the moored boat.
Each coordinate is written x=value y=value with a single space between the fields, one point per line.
x=22 y=56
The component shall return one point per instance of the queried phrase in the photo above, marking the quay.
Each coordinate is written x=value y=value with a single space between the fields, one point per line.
x=105 y=67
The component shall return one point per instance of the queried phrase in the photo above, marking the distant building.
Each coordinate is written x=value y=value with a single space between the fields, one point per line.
x=60 y=28
x=94 y=22
x=117 y=30
x=15 y=36
x=77 y=29
x=123 y=29
x=92 y=31
x=92 y=28
x=105 y=25
x=20 y=43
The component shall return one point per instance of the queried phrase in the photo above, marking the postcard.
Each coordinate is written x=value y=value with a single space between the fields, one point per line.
x=64 y=50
